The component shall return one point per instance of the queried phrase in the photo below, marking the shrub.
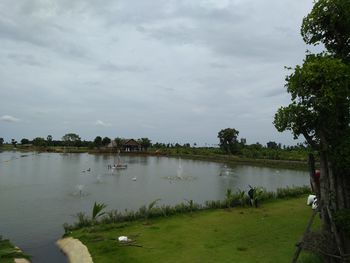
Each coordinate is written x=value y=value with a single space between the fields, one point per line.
x=97 y=210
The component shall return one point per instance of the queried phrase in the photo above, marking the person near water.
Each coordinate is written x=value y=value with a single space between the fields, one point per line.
x=251 y=195
x=315 y=182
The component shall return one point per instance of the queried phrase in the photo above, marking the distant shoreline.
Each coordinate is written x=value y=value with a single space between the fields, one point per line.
x=229 y=159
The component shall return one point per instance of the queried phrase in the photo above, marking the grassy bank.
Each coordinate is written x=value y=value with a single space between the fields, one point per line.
x=234 y=160
x=9 y=252
x=267 y=234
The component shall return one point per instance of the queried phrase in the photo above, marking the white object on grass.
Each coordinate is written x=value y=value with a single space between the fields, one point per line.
x=123 y=239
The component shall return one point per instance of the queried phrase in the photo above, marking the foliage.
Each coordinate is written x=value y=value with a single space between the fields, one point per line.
x=39 y=142
x=1 y=141
x=8 y=252
x=97 y=210
x=273 y=145
x=228 y=140
x=106 y=141
x=241 y=197
x=25 y=141
x=320 y=87
x=342 y=220
x=118 y=142
x=292 y=191
x=191 y=205
x=252 y=151
x=71 y=139
x=319 y=90
x=150 y=208
x=228 y=198
x=145 y=143
x=258 y=194
x=83 y=220
x=214 y=204
x=49 y=140
x=98 y=141
x=329 y=23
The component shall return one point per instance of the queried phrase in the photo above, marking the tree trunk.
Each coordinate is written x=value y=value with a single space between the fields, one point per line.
x=335 y=196
x=341 y=201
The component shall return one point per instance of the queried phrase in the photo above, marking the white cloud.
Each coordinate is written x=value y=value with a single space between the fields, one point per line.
x=102 y=124
x=9 y=118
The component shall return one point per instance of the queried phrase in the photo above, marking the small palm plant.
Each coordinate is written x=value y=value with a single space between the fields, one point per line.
x=257 y=195
x=97 y=210
x=241 y=197
x=228 y=197
x=149 y=209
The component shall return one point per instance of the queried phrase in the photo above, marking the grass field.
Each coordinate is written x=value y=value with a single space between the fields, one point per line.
x=8 y=252
x=267 y=234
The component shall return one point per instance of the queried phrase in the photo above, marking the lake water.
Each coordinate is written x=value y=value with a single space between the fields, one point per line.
x=39 y=192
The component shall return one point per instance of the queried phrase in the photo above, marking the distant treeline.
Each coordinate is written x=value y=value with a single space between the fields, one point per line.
x=253 y=151
x=229 y=145
x=74 y=140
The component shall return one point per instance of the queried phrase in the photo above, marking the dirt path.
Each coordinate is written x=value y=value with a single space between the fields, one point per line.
x=75 y=250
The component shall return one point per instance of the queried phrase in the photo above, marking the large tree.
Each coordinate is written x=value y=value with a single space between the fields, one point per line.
x=40 y=142
x=119 y=142
x=49 y=140
x=145 y=143
x=320 y=111
x=329 y=23
x=228 y=140
x=25 y=141
x=98 y=141
x=71 y=139
x=106 y=141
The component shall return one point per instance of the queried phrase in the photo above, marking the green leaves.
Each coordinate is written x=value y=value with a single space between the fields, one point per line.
x=228 y=140
x=152 y=204
x=320 y=88
x=229 y=197
x=97 y=210
x=320 y=94
x=329 y=23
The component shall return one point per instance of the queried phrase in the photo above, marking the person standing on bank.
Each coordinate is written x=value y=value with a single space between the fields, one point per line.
x=251 y=193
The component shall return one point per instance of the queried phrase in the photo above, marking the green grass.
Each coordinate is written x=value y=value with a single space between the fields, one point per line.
x=267 y=234
x=8 y=252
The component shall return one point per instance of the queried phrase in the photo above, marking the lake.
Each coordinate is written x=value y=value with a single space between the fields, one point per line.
x=41 y=191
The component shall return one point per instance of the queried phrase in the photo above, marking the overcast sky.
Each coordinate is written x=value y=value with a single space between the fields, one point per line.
x=173 y=71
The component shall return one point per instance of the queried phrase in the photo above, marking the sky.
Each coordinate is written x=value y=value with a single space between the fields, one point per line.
x=172 y=71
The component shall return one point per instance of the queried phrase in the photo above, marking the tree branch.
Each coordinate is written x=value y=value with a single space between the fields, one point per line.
x=310 y=141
